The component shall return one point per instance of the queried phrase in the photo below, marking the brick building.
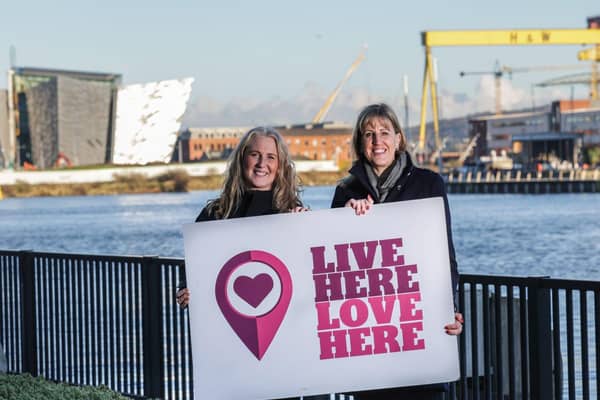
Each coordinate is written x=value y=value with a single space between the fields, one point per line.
x=325 y=141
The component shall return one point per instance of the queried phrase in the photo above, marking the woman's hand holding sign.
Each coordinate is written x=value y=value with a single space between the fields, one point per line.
x=183 y=297
x=456 y=327
x=360 y=206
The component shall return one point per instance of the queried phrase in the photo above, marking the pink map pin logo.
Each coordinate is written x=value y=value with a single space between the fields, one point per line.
x=256 y=332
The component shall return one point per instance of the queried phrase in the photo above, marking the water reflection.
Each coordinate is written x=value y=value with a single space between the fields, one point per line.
x=556 y=235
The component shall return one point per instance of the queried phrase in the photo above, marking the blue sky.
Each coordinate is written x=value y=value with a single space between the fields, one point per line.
x=276 y=61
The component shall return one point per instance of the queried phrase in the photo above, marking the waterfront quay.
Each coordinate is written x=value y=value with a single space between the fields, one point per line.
x=569 y=181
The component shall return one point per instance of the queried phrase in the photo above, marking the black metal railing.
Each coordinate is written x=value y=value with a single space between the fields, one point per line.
x=529 y=338
x=96 y=320
x=111 y=320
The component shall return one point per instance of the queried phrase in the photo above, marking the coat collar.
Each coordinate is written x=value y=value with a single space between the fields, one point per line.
x=358 y=171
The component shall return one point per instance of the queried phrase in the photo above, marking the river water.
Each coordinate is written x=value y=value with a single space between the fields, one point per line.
x=526 y=235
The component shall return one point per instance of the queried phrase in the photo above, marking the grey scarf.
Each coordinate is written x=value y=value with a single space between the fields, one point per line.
x=384 y=183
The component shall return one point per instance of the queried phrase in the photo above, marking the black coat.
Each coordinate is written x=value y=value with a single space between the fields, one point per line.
x=253 y=203
x=414 y=184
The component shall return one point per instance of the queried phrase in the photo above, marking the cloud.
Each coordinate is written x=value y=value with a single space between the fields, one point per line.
x=454 y=105
x=206 y=111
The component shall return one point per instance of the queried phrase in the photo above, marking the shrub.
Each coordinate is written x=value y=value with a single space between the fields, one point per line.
x=26 y=387
x=174 y=180
x=593 y=155
x=132 y=180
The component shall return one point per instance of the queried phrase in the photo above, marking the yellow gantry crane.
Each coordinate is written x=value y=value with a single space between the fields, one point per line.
x=323 y=111
x=517 y=37
x=592 y=54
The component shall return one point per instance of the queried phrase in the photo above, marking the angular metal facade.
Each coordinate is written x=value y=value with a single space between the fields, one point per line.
x=64 y=116
x=42 y=117
x=84 y=113
x=148 y=121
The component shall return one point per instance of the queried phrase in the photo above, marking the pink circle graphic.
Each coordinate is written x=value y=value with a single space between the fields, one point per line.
x=256 y=332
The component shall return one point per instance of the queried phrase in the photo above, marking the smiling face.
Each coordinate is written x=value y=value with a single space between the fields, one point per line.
x=380 y=143
x=261 y=163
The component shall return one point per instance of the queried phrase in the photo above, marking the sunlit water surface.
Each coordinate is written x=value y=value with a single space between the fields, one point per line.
x=527 y=235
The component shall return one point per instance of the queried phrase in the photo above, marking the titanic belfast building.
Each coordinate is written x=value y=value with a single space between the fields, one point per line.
x=59 y=117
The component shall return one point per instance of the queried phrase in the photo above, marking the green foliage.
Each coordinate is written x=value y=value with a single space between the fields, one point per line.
x=26 y=387
x=592 y=154
x=131 y=180
x=174 y=181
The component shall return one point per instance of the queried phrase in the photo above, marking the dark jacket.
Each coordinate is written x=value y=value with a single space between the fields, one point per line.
x=254 y=203
x=414 y=184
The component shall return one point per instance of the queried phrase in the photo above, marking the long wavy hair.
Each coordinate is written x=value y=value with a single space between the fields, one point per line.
x=286 y=186
x=378 y=110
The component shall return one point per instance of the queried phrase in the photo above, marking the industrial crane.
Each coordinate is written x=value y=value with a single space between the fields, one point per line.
x=320 y=116
x=515 y=37
x=499 y=72
x=467 y=152
x=592 y=54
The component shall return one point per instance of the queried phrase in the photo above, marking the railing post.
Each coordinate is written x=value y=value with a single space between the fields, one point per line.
x=152 y=328
x=540 y=340
x=28 y=333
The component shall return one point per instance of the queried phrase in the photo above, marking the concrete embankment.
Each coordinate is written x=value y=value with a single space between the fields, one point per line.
x=572 y=181
x=69 y=176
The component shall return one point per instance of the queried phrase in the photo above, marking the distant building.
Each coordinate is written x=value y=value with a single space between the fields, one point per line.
x=148 y=121
x=496 y=131
x=562 y=130
x=580 y=118
x=200 y=144
x=60 y=116
x=324 y=141
x=542 y=146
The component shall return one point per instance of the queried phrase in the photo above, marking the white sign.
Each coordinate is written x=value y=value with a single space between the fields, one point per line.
x=320 y=302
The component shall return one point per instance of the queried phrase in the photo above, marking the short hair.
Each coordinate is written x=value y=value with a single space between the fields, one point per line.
x=378 y=110
x=286 y=186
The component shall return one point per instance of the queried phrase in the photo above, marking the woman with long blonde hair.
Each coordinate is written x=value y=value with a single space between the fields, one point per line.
x=260 y=180
x=259 y=163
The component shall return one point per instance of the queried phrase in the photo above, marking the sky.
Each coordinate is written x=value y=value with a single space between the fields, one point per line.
x=275 y=62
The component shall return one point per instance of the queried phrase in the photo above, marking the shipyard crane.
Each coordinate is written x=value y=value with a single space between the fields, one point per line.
x=320 y=116
x=467 y=152
x=516 y=37
x=500 y=71
x=573 y=79
x=497 y=73
x=592 y=54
